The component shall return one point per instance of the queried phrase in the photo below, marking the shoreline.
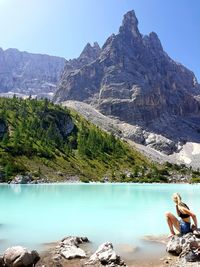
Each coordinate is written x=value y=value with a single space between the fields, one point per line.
x=135 y=258
x=152 y=254
x=97 y=182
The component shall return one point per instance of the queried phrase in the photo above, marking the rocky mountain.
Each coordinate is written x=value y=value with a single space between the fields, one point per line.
x=26 y=73
x=89 y=54
x=134 y=80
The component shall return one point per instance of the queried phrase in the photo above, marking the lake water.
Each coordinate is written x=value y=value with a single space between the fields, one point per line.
x=121 y=213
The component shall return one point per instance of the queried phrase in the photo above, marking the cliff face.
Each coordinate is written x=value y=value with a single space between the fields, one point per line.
x=134 y=80
x=87 y=57
x=26 y=73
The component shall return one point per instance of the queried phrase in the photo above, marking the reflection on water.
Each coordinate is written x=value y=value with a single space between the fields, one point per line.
x=120 y=213
x=16 y=188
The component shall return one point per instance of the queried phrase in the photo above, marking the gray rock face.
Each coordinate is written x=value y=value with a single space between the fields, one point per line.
x=134 y=80
x=26 y=73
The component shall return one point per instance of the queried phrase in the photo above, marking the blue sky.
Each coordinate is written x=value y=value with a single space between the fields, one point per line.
x=63 y=27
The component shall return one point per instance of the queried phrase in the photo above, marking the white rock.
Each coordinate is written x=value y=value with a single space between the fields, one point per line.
x=71 y=252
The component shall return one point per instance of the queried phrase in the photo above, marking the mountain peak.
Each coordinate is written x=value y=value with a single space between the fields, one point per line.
x=130 y=24
x=91 y=52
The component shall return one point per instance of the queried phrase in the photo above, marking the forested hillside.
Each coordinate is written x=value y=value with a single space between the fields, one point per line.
x=46 y=140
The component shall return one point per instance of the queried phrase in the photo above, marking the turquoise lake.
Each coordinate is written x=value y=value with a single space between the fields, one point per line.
x=121 y=213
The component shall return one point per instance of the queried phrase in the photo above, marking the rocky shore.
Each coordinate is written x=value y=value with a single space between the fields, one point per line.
x=30 y=179
x=71 y=251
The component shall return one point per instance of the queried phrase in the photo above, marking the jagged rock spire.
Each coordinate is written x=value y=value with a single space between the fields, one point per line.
x=130 y=24
x=91 y=52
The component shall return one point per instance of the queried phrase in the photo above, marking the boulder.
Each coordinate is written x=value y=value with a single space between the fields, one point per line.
x=20 y=257
x=73 y=240
x=106 y=255
x=22 y=179
x=174 y=245
x=72 y=252
x=187 y=248
x=69 y=247
x=180 y=245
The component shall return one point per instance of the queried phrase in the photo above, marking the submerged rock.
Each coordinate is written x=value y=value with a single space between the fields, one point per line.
x=158 y=239
x=106 y=255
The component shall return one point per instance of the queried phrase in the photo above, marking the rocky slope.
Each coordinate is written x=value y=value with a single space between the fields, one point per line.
x=135 y=81
x=154 y=146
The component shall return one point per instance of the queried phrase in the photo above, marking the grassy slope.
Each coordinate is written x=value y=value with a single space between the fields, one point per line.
x=21 y=148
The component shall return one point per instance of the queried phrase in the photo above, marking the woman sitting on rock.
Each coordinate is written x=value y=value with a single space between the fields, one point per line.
x=183 y=225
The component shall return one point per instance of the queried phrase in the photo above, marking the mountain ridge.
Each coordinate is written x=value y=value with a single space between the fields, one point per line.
x=24 y=73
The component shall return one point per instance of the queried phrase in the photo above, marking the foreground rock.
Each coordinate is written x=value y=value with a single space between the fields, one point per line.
x=65 y=253
x=187 y=248
x=19 y=257
x=69 y=248
x=106 y=256
x=77 y=252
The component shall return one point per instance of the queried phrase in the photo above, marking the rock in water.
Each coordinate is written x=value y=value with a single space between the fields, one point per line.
x=106 y=256
x=20 y=257
x=69 y=247
x=71 y=252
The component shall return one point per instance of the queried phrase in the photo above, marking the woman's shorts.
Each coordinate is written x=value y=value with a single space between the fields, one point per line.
x=184 y=227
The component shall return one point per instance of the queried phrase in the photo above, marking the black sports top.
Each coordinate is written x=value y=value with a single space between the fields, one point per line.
x=180 y=214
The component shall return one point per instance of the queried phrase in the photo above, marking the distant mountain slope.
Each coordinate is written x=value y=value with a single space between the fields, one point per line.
x=26 y=73
x=134 y=80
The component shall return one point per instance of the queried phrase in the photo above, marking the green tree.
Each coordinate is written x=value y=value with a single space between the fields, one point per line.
x=8 y=170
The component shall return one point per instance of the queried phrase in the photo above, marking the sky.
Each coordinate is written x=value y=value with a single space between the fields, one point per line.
x=64 y=27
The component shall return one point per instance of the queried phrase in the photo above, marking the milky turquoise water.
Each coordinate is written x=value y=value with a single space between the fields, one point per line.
x=121 y=213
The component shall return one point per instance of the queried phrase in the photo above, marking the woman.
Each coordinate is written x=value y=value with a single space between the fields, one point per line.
x=183 y=225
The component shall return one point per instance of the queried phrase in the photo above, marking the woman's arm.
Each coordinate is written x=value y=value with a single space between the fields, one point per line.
x=177 y=210
x=189 y=212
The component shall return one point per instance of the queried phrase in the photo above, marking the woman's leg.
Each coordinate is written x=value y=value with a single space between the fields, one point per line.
x=172 y=222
